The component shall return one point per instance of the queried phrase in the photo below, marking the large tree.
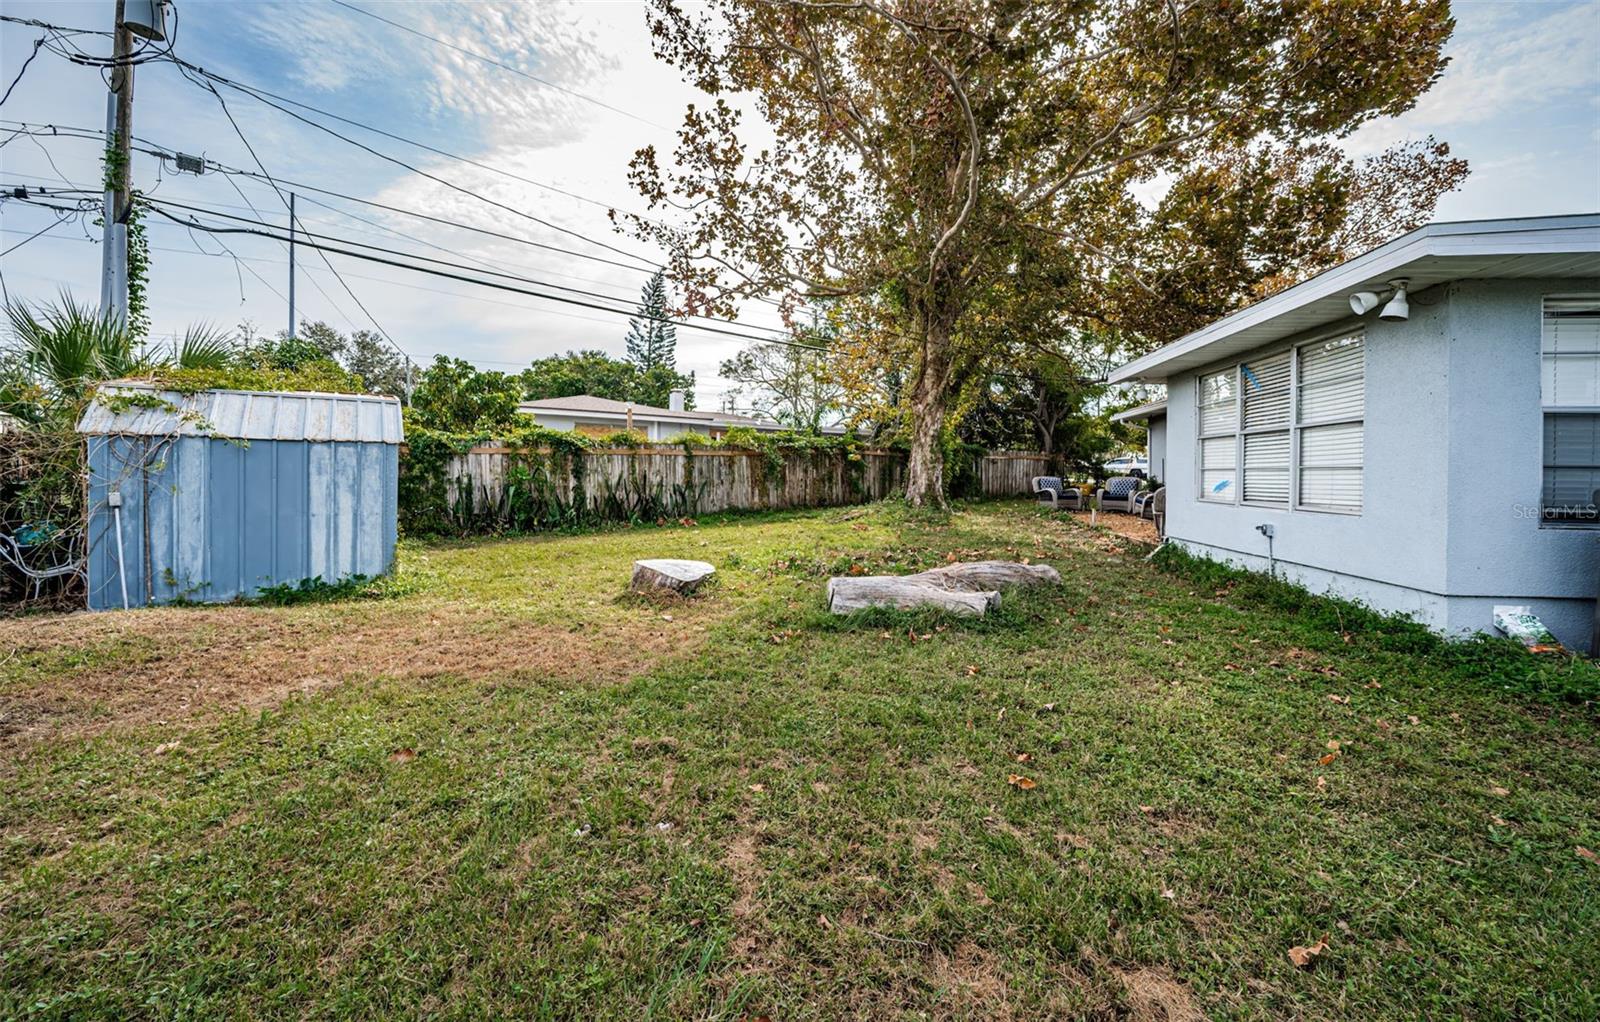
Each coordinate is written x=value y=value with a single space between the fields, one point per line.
x=652 y=338
x=944 y=164
x=793 y=380
x=580 y=372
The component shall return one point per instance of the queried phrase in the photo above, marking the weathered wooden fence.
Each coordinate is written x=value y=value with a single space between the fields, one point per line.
x=487 y=483
x=1010 y=473
x=702 y=481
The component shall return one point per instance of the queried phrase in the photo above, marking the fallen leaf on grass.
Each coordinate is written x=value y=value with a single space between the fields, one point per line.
x=1024 y=757
x=1019 y=781
x=822 y=921
x=402 y=755
x=666 y=617
x=1169 y=894
x=1413 y=718
x=1329 y=758
x=1302 y=956
x=972 y=670
x=1496 y=790
x=164 y=748
x=1584 y=853
x=1048 y=708
x=1147 y=810
x=1322 y=782
x=1341 y=700
x=1372 y=684
x=1075 y=840
x=758 y=788
x=1333 y=745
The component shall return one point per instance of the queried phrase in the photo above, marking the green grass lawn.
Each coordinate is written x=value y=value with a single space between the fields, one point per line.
x=736 y=806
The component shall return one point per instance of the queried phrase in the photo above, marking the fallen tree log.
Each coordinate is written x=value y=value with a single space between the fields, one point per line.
x=984 y=575
x=903 y=592
x=968 y=589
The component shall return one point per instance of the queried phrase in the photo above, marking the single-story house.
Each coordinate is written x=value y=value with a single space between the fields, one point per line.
x=1417 y=428
x=599 y=416
x=1154 y=416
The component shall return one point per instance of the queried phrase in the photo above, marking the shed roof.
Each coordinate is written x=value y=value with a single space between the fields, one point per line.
x=245 y=415
x=1551 y=246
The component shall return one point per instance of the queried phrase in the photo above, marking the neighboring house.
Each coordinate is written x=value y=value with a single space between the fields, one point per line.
x=1437 y=455
x=599 y=416
x=1154 y=417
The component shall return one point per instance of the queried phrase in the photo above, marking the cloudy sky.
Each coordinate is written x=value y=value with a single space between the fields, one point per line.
x=1521 y=100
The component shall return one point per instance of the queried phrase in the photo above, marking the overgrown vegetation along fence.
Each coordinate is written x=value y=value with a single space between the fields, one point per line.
x=492 y=487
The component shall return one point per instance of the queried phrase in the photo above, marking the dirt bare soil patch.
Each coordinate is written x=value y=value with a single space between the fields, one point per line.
x=174 y=663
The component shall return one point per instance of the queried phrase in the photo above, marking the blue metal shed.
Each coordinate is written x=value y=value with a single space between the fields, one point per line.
x=215 y=495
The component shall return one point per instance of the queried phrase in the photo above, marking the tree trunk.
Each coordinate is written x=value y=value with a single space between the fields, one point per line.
x=925 y=469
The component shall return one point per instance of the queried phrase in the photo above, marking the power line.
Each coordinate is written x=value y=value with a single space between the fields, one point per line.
x=324 y=256
x=261 y=220
x=151 y=149
x=500 y=64
x=37 y=43
x=353 y=276
x=414 y=256
x=259 y=96
x=314 y=282
x=210 y=228
x=48 y=227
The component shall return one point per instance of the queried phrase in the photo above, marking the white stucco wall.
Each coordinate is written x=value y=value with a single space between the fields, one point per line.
x=1156 y=447
x=1449 y=523
x=1498 y=549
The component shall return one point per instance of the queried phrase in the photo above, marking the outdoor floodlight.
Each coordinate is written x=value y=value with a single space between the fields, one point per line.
x=1398 y=308
x=1363 y=302
x=146 y=19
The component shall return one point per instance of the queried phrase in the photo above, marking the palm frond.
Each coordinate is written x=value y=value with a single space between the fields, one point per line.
x=71 y=346
x=204 y=346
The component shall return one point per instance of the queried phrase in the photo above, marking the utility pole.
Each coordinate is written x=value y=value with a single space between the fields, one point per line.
x=148 y=22
x=291 y=266
x=119 y=122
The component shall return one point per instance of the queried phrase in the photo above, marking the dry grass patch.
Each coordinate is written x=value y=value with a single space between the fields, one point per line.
x=170 y=664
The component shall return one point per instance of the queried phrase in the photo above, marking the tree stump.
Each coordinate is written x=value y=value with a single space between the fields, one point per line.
x=969 y=589
x=667 y=573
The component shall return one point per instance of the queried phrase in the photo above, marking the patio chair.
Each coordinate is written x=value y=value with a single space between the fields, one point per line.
x=41 y=553
x=1118 y=494
x=1051 y=490
x=1158 y=511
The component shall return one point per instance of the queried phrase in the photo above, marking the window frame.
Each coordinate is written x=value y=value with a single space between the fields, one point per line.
x=1235 y=433
x=1294 y=427
x=1547 y=410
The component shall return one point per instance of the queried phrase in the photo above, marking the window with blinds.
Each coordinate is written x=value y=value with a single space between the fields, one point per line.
x=1264 y=385
x=1287 y=430
x=1332 y=403
x=1570 y=389
x=1219 y=436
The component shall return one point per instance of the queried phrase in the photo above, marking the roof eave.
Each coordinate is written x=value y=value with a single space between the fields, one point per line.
x=1580 y=236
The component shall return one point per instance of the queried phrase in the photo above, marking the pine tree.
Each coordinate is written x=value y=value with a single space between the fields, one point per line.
x=652 y=339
